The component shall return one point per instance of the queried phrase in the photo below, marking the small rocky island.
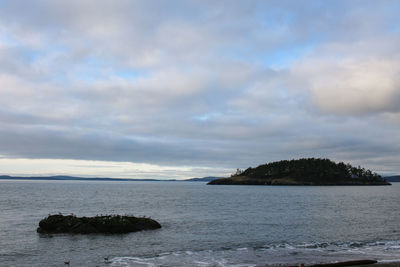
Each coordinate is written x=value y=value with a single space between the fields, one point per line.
x=308 y=171
x=108 y=224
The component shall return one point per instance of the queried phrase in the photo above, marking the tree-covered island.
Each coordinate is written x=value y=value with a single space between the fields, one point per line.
x=307 y=171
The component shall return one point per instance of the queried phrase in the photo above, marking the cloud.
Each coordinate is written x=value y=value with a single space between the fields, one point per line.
x=350 y=79
x=200 y=83
x=49 y=167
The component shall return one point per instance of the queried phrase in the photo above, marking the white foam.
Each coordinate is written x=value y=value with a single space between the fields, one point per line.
x=389 y=261
x=312 y=252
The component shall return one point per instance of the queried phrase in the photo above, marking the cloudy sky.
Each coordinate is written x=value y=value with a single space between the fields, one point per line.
x=177 y=89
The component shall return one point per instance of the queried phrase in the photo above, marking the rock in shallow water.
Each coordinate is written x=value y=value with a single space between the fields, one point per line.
x=108 y=224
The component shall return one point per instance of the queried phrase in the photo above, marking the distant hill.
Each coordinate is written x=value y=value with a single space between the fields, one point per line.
x=395 y=178
x=310 y=171
x=73 y=178
x=204 y=179
x=69 y=178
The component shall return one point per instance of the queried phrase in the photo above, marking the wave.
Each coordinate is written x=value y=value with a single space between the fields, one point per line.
x=270 y=254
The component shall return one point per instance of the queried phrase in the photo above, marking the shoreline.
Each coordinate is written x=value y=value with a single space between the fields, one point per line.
x=384 y=264
x=339 y=264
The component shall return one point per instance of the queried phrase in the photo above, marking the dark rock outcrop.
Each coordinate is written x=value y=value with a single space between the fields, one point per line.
x=108 y=224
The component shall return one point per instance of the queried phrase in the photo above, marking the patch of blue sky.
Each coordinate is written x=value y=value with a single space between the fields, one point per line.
x=394 y=28
x=278 y=58
x=31 y=55
x=206 y=116
x=274 y=17
x=235 y=54
x=93 y=61
x=283 y=57
x=392 y=10
x=90 y=69
x=59 y=78
x=95 y=68
x=7 y=38
x=394 y=25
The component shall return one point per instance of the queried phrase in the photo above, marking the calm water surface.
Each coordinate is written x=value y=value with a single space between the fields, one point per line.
x=203 y=225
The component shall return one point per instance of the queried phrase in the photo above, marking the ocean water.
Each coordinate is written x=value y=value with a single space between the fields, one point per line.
x=203 y=225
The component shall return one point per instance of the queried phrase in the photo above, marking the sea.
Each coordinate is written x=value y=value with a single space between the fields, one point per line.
x=202 y=225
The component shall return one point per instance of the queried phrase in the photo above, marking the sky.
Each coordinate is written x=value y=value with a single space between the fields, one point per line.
x=177 y=89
